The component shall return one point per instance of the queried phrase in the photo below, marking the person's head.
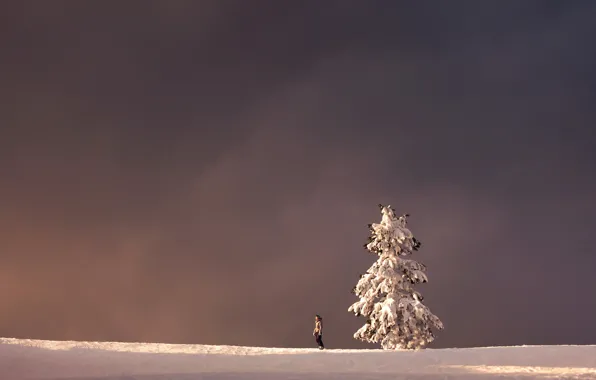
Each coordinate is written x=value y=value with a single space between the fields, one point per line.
x=318 y=317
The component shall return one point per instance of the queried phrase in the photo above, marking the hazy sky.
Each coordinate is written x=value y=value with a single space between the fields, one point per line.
x=204 y=171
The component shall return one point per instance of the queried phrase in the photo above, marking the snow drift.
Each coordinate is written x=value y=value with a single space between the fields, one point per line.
x=36 y=359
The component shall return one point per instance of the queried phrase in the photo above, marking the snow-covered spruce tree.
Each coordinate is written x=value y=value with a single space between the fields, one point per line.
x=396 y=316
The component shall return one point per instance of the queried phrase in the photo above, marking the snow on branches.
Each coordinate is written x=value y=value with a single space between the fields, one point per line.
x=396 y=316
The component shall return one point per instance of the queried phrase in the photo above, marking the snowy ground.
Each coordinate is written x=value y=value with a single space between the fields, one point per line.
x=35 y=359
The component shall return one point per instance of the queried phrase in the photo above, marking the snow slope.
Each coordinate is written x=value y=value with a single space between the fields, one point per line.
x=36 y=359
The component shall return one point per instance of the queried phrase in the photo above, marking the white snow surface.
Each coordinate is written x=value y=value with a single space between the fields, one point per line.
x=56 y=360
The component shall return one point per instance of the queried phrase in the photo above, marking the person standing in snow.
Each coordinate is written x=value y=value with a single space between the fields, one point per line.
x=318 y=332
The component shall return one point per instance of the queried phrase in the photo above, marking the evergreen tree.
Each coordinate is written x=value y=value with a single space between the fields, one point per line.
x=396 y=316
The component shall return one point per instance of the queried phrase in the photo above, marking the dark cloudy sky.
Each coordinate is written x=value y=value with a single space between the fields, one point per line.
x=203 y=171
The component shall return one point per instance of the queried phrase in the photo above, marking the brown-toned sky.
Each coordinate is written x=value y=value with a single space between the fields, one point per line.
x=203 y=172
